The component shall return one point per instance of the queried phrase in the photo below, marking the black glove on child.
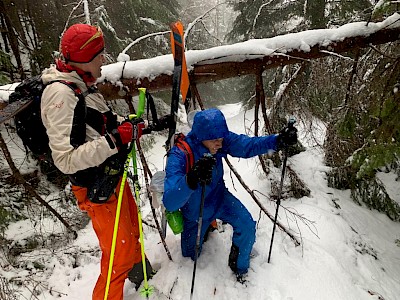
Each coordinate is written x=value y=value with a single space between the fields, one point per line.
x=201 y=172
x=287 y=137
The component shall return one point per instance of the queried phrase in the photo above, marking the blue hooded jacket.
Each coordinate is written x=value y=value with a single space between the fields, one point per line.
x=208 y=125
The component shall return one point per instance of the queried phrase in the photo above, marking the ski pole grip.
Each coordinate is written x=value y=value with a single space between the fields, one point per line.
x=291 y=122
x=142 y=101
x=141 y=104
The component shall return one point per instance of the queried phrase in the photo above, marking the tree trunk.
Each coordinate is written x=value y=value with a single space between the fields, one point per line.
x=213 y=71
x=13 y=39
x=315 y=13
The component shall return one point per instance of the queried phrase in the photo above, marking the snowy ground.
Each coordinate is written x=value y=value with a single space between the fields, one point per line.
x=346 y=252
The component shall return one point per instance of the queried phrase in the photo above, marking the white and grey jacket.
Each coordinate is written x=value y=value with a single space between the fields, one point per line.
x=59 y=115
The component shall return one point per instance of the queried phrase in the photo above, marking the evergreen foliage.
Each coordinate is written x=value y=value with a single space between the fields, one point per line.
x=121 y=23
x=358 y=100
x=364 y=137
x=6 y=67
x=373 y=194
x=263 y=19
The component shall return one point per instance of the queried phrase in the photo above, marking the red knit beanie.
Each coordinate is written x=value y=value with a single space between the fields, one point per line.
x=81 y=43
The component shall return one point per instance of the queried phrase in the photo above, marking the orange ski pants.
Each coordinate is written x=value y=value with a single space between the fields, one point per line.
x=127 y=251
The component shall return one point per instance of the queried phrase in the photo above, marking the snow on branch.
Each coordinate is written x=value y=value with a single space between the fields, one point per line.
x=142 y=38
x=248 y=57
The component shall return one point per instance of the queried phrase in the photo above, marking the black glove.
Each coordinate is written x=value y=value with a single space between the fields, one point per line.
x=287 y=137
x=163 y=123
x=134 y=121
x=201 y=171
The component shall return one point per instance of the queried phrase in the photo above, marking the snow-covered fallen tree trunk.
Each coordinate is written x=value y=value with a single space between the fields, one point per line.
x=250 y=57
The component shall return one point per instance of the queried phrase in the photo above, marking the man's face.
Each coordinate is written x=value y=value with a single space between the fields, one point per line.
x=213 y=145
x=94 y=66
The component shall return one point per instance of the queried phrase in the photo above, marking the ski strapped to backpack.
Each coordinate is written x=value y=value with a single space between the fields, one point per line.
x=180 y=85
x=180 y=78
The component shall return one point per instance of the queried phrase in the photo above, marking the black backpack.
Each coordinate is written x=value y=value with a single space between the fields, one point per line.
x=28 y=121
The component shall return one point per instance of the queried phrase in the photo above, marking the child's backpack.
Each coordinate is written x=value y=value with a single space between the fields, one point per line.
x=180 y=142
x=157 y=181
x=174 y=219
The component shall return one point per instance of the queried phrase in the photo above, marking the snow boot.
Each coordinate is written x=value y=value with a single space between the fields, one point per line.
x=233 y=256
x=242 y=278
x=135 y=275
x=232 y=262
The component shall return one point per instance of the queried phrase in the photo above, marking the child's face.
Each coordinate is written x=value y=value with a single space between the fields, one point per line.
x=213 y=145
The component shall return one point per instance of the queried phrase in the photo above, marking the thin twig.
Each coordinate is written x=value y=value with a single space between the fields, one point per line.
x=147 y=173
x=252 y=194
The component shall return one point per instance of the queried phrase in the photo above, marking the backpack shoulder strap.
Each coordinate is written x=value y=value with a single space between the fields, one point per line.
x=92 y=117
x=184 y=146
x=73 y=86
x=78 y=132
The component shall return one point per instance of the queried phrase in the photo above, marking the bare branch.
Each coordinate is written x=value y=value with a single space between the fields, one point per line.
x=28 y=187
x=70 y=15
x=198 y=19
x=337 y=55
x=253 y=195
x=257 y=15
x=142 y=38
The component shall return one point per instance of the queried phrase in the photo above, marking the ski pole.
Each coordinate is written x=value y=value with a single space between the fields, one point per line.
x=278 y=201
x=147 y=290
x=116 y=223
x=200 y=224
x=120 y=194
x=203 y=189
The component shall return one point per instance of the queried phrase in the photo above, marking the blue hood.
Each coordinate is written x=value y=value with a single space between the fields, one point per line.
x=209 y=124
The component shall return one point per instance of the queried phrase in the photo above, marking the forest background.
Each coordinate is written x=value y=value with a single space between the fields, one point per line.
x=356 y=95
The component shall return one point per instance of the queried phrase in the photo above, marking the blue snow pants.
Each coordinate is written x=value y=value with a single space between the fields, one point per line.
x=233 y=212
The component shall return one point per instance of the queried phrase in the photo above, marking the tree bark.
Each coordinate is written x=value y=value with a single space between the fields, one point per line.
x=260 y=97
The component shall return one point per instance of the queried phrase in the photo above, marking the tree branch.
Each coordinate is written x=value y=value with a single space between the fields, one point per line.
x=252 y=194
x=212 y=70
x=28 y=187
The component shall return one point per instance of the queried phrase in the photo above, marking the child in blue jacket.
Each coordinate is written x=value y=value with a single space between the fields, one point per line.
x=210 y=135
